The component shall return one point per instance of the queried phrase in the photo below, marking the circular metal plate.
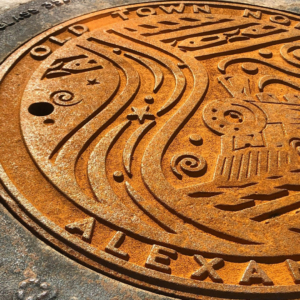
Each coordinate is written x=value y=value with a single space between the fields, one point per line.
x=159 y=143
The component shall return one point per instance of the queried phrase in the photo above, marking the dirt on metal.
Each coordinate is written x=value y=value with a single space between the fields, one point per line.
x=160 y=144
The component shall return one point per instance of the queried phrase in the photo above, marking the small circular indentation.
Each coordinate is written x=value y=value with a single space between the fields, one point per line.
x=214 y=110
x=49 y=122
x=214 y=118
x=117 y=51
x=149 y=99
x=250 y=68
x=265 y=53
x=222 y=125
x=41 y=109
x=236 y=129
x=196 y=139
x=118 y=176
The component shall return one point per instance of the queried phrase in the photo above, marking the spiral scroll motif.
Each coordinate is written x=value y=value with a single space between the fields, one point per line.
x=192 y=164
x=291 y=53
x=64 y=98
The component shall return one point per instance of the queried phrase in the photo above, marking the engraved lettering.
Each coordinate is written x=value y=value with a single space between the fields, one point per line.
x=114 y=245
x=57 y=2
x=40 y=52
x=18 y=18
x=294 y=268
x=78 y=29
x=33 y=11
x=25 y=14
x=279 y=19
x=121 y=13
x=170 y=9
x=4 y=25
x=48 y=5
x=255 y=274
x=208 y=268
x=145 y=11
x=159 y=258
x=205 y=9
x=58 y=41
x=210 y=93
x=84 y=227
x=256 y=15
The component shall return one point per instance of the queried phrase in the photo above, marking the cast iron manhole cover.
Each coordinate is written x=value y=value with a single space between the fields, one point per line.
x=160 y=143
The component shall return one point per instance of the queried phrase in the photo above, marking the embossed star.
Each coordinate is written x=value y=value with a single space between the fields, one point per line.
x=93 y=82
x=141 y=114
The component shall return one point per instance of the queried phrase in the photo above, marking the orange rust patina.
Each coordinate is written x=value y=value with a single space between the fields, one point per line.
x=160 y=144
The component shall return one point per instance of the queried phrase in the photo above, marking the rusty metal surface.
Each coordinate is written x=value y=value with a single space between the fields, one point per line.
x=159 y=144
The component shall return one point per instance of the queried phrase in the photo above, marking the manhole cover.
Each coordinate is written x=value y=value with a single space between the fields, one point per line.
x=160 y=144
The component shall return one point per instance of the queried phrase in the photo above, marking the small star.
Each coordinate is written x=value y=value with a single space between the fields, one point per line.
x=141 y=114
x=93 y=82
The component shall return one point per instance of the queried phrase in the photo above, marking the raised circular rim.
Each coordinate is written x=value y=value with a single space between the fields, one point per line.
x=49 y=231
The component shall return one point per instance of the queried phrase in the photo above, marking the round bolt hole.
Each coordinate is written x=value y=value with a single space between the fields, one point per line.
x=41 y=109
x=49 y=122
x=214 y=118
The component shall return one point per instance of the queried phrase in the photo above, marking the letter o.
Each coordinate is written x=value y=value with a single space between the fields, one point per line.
x=40 y=52
x=279 y=19
x=145 y=11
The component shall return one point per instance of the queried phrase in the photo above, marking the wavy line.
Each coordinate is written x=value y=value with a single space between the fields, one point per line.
x=269 y=79
x=87 y=133
x=155 y=214
x=97 y=165
x=177 y=73
x=132 y=144
x=224 y=63
x=156 y=71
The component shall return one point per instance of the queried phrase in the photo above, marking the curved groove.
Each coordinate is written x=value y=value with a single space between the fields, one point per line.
x=80 y=125
x=286 y=49
x=152 y=172
x=132 y=144
x=269 y=79
x=178 y=91
x=155 y=214
x=87 y=133
x=155 y=69
x=224 y=63
x=97 y=165
x=164 y=192
x=180 y=80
